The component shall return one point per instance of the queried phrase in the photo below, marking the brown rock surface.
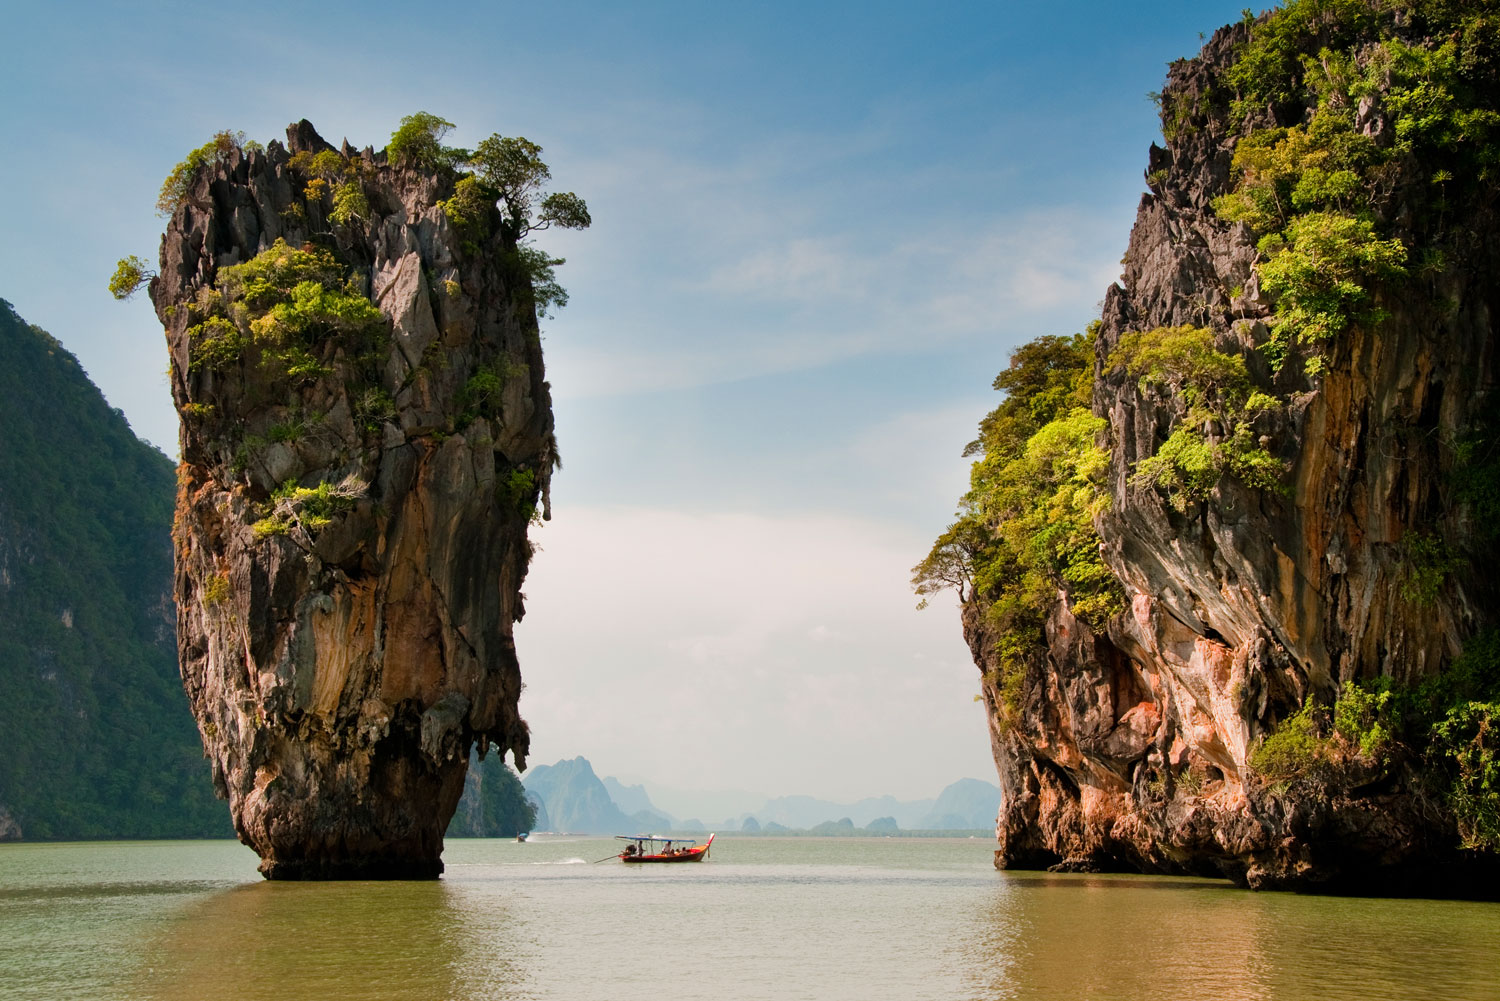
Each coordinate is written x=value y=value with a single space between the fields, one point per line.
x=1134 y=747
x=340 y=671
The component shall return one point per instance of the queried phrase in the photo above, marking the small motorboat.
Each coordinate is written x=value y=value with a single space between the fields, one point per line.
x=649 y=848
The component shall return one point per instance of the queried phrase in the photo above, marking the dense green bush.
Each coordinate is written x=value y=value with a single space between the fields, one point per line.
x=1297 y=748
x=280 y=310
x=1446 y=726
x=1309 y=190
x=1025 y=528
x=418 y=142
x=1213 y=428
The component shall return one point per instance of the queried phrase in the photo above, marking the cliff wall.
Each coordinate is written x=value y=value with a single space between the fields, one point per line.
x=1255 y=603
x=366 y=434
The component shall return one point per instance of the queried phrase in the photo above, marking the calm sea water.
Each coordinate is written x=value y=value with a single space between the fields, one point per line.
x=764 y=918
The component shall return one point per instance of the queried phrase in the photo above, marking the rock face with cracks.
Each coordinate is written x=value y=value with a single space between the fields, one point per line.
x=1133 y=743
x=358 y=474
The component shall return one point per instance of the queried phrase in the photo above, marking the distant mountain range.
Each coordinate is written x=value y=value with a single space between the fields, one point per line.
x=966 y=805
x=574 y=799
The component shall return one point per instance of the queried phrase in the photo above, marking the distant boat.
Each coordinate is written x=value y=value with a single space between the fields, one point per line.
x=521 y=837
x=648 y=848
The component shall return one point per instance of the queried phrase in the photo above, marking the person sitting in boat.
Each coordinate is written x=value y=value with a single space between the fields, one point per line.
x=629 y=850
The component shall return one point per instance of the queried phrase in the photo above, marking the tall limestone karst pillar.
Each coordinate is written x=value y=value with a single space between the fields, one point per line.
x=366 y=435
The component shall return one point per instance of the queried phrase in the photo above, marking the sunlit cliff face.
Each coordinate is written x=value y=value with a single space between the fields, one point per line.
x=1296 y=559
x=366 y=434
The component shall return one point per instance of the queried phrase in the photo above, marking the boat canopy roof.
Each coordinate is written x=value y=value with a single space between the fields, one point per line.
x=652 y=837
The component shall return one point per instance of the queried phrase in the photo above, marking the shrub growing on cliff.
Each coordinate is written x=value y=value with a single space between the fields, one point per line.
x=131 y=275
x=1469 y=735
x=1025 y=529
x=1428 y=90
x=418 y=142
x=1216 y=408
x=183 y=176
x=286 y=304
x=312 y=508
x=505 y=188
x=1317 y=271
x=1296 y=748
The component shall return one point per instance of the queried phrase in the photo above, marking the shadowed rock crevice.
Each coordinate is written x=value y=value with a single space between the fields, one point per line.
x=351 y=528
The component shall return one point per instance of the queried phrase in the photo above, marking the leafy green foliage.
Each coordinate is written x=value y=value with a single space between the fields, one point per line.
x=373 y=407
x=217 y=590
x=1448 y=725
x=1309 y=189
x=1319 y=166
x=1296 y=748
x=480 y=396
x=131 y=275
x=183 y=176
x=540 y=270
x=1432 y=99
x=1316 y=272
x=98 y=740
x=1025 y=529
x=470 y=209
x=1469 y=735
x=1312 y=741
x=1216 y=411
x=519 y=492
x=284 y=307
x=311 y=508
x=349 y=203
x=417 y=142
x=506 y=189
x=331 y=172
x=1271 y=67
x=1427 y=563
x=1368 y=717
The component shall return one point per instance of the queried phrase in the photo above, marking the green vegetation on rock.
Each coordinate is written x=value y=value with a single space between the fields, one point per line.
x=183 y=176
x=97 y=735
x=1447 y=726
x=494 y=803
x=1216 y=408
x=1414 y=107
x=499 y=186
x=284 y=308
x=1025 y=528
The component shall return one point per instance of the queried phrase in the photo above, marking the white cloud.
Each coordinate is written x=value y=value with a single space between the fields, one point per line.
x=753 y=300
x=733 y=650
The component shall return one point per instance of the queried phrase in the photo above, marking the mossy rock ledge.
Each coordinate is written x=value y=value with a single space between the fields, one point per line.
x=352 y=513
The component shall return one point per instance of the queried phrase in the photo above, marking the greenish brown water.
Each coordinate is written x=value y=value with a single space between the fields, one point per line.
x=772 y=918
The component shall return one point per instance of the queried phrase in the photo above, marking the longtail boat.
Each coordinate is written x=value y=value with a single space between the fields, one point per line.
x=649 y=848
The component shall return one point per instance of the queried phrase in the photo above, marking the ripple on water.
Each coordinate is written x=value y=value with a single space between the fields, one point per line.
x=764 y=918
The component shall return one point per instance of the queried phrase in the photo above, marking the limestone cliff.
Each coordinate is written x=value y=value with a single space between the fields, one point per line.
x=1247 y=604
x=366 y=433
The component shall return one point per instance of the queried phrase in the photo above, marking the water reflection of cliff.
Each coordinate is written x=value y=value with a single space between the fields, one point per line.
x=374 y=941
x=1043 y=937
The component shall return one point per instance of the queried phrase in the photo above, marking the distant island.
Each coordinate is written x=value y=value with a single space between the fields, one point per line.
x=575 y=800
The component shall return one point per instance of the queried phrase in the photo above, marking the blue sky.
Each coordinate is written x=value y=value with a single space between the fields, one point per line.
x=819 y=231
